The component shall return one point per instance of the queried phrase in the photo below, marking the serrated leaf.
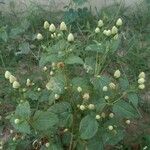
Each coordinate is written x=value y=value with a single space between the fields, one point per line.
x=63 y=110
x=124 y=109
x=88 y=127
x=48 y=58
x=100 y=82
x=100 y=104
x=133 y=98
x=124 y=83
x=24 y=48
x=74 y=60
x=113 y=139
x=44 y=120
x=95 y=143
x=22 y=127
x=80 y=82
x=23 y=110
x=56 y=84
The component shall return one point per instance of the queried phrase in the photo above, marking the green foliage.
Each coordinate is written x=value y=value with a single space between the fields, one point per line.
x=88 y=127
x=71 y=103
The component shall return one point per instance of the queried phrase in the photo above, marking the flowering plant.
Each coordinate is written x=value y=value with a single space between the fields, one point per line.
x=78 y=104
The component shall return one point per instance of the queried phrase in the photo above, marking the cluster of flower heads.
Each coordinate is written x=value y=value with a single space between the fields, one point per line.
x=52 y=28
x=109 y=32
x=141 y=80
x=12 y=79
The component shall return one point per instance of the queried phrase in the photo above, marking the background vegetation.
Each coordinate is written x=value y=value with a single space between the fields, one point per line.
x=20 y=52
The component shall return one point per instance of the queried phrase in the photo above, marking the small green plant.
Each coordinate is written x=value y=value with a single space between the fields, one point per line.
x=79 y=103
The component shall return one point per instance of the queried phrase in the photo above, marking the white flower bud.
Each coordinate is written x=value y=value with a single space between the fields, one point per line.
x=7 y=74
x=112 y=85
x=14 y=139
x=108 y=32
x=39 y=89
x=16 y=121
x=141 y=80
x=103 y=115
x=52 y=36
x=116 y=37
x=24 y=90
x=52 y=28
x=117 y=74
x=141 y=86
x=105 y=32
x=119 y=22
x=12 y=79
x=39 y=36
x=86 y=96
x=57 y=96
x=59 y=35
x=114 y=30
x=110 y=127
x=97 y=30
x=82 y=107
x=105 y=88
x=91 y=106
x=70 y=37
x=142 y=75
x=16 y=85
x=106 y=97
x=79 y=89
x=51 y=73
x=11 y=131
x=111 y=115
x=100 y=23
x=47 y=144
x=128 y=121
x=28 y=82
x=63 y=26
x=46 y=25
x=65 y=130
x=97 y=117
x=45 y=68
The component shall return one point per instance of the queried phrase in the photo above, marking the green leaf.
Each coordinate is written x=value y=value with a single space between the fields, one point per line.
x=22 y=127
x=80 y=2
x=80 y=82
x=95 y=48
x=124 y=109
x=48 y=58
x=74 y=60
x=114 y=44
x=3 y=34
x=32 y=95
x=44 y=120
x=133 y=98
x=24 y=48
x=100 y=104
x=60 y=108
x=54 y=146
x=100 y=82
x=63 y=111
x=23 y=110
x=113 y=139
x=56 y=84
x=95 y=143
x=124 y=83
x=88 y=127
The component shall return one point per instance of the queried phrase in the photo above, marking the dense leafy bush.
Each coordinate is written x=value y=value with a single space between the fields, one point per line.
x=78 y=102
